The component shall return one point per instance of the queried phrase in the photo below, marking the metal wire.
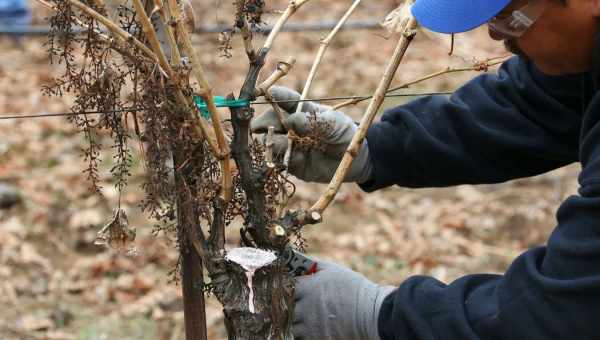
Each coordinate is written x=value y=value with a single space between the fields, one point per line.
x=133 y=109
x=326 y=99
x=63 y=114
x=42 y=30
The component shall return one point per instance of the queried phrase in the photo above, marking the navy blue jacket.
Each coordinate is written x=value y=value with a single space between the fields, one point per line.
x=498 y=127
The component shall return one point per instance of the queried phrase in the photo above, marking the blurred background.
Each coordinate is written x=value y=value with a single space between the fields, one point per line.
x=56 y=284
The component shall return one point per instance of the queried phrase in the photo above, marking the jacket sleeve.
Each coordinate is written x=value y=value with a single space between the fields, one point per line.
x=497 y=127
x=550 y=292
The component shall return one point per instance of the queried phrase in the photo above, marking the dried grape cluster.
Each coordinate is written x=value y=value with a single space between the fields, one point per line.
x=136 y=104
x=253 y=10
x=98 y=79
x=278 y=188
x=248 y=16
x=319 y=130
x=118 y=81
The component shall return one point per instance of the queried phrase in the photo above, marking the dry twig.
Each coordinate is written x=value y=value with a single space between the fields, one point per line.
x=334 y=186
x=152 y=38
x=313 y=72
x=280 y=115
x=184 y=101
x=112 y=27
x=293 y=6
x=269 y=148
x=171 y=40
x=247 y=38
x=283 y=68
x=206 y=95
x=322 y=48
x=288 y=150
x=101 y=35
x=478 y=66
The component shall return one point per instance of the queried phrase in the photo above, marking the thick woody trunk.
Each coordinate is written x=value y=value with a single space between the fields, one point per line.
x=272 y=289
x=271 y=286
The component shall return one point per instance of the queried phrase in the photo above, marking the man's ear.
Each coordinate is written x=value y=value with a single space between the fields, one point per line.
x=593 y=7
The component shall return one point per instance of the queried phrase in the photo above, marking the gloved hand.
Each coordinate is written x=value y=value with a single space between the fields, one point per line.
x=314 y=165
x=337 y=303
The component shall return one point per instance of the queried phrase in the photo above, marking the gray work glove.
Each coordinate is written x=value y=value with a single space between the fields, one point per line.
x=314 y=165
x=337 y=303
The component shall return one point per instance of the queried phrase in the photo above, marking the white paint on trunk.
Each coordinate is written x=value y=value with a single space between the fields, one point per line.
x=249 y=275
x=250 y=259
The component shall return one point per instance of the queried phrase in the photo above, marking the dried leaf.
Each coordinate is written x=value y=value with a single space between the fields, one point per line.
x=35 y=323
x=117 y=234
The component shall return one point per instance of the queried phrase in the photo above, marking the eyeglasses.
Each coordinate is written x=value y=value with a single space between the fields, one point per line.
x=515 y=24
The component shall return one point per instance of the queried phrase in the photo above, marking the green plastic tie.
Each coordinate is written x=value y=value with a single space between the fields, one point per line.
x=220 y=101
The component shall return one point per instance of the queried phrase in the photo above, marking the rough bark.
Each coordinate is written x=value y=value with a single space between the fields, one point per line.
x=192 y=280
x=252 y=179
x=273 y=300
x=273 y=285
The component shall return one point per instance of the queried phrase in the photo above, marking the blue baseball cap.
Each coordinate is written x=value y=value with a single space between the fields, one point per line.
x=455 y=16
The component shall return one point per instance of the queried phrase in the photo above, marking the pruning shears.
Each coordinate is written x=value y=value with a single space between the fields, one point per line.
x=297 y=263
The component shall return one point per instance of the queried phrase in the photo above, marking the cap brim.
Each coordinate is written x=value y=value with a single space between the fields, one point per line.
x=455 y=16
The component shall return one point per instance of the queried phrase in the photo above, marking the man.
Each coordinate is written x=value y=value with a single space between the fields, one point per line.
x=540 y=112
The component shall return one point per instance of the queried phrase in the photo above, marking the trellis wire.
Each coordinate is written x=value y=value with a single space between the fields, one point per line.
x=41 y=30
x=135 y=109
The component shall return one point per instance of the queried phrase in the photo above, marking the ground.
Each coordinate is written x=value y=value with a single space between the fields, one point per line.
x=56 y=284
